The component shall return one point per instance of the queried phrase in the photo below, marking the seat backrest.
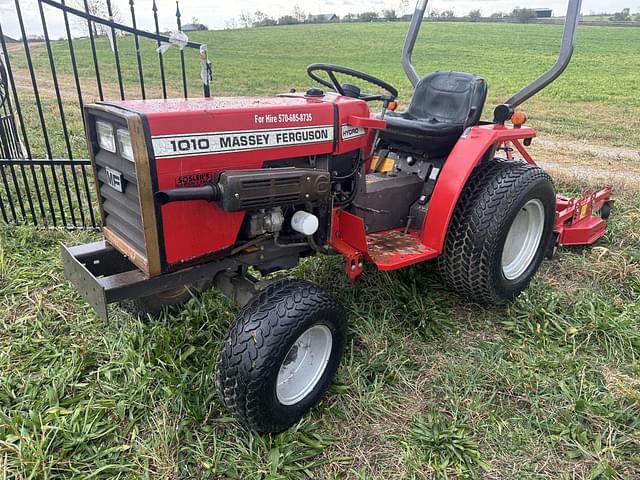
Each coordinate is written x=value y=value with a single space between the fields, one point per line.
x=455 y=98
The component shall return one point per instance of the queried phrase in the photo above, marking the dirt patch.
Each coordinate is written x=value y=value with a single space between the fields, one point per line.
x=585 y=149
x=624 y=178
x=15 y=47
x=589 y=162
x=621 y=385
x=88 y=85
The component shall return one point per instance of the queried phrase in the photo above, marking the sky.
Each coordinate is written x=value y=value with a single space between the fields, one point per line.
x=219 y=14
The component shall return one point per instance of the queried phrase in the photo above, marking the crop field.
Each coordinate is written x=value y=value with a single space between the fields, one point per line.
x=431 y=386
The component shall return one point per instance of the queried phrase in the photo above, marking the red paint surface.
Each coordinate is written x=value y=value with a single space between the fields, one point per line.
x=464 y=157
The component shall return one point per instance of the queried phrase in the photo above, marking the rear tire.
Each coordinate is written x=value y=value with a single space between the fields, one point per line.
x=500 y=231
x=278 y=360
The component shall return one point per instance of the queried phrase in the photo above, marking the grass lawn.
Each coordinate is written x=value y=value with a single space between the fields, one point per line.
x=431 y=386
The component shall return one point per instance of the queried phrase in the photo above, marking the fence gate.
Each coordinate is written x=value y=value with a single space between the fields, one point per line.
x=45 y=177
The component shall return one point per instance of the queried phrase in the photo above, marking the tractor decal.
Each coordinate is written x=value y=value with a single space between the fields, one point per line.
x=351 y=131
x=224 y=142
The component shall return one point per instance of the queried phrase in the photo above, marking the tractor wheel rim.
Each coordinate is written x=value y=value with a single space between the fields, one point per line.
x=304 y=364
x=523 y=239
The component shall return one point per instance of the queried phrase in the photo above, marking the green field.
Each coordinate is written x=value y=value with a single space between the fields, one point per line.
x=596 y=99
x=431 y=386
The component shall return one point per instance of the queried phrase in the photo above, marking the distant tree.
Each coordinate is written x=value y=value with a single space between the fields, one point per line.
x=97 y=8
x=474 y=15
x=637 y=18
x=263 y=20
x=350 y=17
x=389 y=14
x=298 y=14
x=246 y=19
x=368 y=16
x=434 y=13
x=621 y=16
x=497 y=15
x=447 y=14
x=230 y=24
x=523 y=15
x=287 y=20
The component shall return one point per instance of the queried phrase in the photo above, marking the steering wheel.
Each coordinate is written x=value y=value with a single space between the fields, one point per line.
x=350 y=90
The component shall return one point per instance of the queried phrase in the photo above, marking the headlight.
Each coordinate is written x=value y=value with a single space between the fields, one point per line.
x=104 y=132
x=124 y=144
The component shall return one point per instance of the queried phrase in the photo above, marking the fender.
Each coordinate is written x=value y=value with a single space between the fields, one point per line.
x=463 y=159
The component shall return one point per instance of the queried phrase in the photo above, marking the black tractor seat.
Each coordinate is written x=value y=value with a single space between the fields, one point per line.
x=442 y=106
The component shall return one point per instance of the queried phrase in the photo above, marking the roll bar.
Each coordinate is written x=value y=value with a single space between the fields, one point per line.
x=566 y=50
x=410 y=41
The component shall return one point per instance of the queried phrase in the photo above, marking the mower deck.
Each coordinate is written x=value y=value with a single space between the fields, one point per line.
x=576 y=223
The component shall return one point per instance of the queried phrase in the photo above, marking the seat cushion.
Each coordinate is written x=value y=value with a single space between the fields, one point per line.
x=432 y=137
x=443 y=105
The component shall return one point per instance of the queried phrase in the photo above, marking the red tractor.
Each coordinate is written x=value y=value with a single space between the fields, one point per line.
x=194 y=193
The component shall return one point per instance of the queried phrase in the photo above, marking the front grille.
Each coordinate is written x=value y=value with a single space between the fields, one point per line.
x=121 y=209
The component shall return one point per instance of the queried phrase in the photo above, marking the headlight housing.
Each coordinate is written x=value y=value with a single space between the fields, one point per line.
x=104 y=132
x=124 y=144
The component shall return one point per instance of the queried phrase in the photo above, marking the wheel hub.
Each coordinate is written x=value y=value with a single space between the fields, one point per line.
x=523 y=239
x=304 y=365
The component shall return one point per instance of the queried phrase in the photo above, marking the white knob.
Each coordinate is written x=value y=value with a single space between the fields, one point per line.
x=304 y=222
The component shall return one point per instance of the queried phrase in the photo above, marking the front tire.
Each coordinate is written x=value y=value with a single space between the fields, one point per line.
x=500 y=231
x=278 y=360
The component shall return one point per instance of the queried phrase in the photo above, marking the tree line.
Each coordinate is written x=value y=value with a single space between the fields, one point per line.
x=297 y=16
x=526 y=15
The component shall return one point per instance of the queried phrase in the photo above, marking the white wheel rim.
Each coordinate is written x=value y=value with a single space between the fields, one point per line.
x=304 y=365
x=523 y=239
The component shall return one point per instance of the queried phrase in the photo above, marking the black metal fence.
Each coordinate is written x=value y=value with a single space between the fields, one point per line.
x=45 y=177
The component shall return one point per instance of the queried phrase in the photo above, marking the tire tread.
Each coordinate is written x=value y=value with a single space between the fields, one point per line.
x=252 y=347
x=469 y=251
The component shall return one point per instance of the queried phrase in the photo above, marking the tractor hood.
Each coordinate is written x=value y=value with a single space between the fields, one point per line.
x=288 y=125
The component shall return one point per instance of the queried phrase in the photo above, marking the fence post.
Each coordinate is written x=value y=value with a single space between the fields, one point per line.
x=205 y=70
x=160 y=58
x=184 y=72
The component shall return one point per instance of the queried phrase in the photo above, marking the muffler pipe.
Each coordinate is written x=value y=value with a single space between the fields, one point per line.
x=211 y=193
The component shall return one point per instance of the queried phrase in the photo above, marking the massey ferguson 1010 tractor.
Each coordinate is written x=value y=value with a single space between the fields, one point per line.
x=193 y=193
